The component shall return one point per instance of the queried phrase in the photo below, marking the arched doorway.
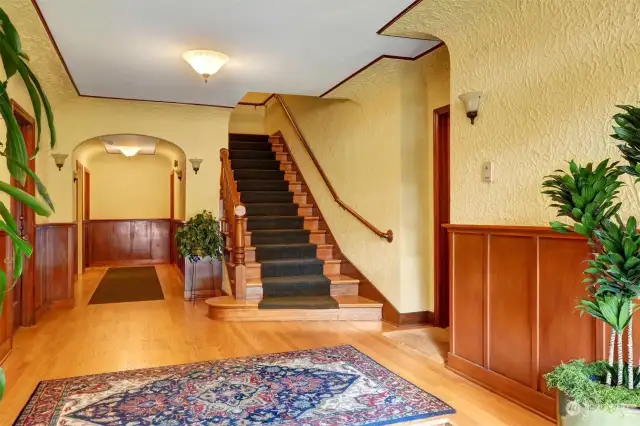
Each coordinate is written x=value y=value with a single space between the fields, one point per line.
x=130 y=191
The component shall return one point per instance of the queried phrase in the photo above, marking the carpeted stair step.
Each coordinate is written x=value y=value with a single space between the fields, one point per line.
x=272 y=209
x=280 y=236
x=249 y=146
x=302 y=285
x=285 y=251
x=258 y=174
x=255 y=223
x=291 y=267
x=298 y=302
x=263 y=185
x=266 y=197
x=251 y=155
x=244 y=164
x=248 y=137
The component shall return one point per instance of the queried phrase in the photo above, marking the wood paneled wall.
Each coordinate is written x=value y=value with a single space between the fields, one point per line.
x=54 y=276
x=56 y=266
x=129 y=241
x=513 y=297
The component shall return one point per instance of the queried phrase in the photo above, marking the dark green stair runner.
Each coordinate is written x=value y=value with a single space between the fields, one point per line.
x=292 y=274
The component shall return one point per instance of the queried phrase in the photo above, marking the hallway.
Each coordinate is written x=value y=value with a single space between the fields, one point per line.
x=122 y=336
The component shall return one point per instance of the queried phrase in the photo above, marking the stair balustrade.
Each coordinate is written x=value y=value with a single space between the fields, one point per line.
x=233 y=225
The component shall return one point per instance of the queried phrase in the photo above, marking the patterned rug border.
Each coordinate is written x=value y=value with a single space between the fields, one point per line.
x=30 y=402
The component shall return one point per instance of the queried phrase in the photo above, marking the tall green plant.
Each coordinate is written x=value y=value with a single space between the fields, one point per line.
x=588 y=197
x=14 y=149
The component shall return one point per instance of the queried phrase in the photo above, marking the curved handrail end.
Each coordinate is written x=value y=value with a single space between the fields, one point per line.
x=388 y=236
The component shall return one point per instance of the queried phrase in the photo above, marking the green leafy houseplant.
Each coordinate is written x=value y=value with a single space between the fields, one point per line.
x=14 y=61
x=200 y=237
x=589 y=198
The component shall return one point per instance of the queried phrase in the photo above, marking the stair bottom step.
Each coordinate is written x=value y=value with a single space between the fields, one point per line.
x=298 y=302
x=351 y=308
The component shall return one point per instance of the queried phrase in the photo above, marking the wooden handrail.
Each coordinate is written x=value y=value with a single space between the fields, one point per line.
x=386 y=235
x=232 y=208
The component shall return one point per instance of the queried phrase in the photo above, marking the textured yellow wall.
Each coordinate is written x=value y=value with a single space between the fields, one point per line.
x=376 y=148
x=551 y=72
x=199 y=131
x=247 y=119
x=129 y=188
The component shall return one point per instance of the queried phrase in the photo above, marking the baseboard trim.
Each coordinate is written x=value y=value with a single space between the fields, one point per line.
x=62 y=304
x=516 y=392
x=416 y=318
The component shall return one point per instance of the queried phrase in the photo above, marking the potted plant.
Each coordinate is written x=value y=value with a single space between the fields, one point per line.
x=201 y=244
x=14 y=149
x=605 y=392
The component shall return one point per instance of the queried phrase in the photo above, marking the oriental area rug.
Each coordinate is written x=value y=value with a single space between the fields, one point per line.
x=318 y=387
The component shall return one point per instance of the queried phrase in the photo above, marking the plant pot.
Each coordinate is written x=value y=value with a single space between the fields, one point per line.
x=202 y=278
x=571 y=413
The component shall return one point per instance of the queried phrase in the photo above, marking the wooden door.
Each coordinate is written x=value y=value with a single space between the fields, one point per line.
x=24 y=295
x=441 y=205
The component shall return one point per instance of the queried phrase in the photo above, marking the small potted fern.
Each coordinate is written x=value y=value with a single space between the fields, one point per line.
x=201 y=244
x=605 y=392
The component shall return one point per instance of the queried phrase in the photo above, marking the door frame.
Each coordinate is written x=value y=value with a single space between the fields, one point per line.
x=172 y=201
x=27 y=305
x=86 y=218
x=441 y=216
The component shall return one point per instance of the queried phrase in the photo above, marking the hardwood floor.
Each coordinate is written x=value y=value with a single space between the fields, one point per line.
x=101 y=338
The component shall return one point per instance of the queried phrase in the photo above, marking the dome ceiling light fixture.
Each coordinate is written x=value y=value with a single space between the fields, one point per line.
x=128 y=151
x=205 y=62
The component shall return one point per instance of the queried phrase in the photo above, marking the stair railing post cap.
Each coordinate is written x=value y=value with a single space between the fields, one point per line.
x=240 y=210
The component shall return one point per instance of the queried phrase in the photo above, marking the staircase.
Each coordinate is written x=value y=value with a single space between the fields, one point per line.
x=293 y=269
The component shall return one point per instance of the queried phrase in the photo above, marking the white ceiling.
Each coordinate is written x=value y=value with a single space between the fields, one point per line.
x=132 y=48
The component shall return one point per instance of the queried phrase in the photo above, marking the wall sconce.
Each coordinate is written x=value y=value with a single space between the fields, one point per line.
x=195 y=163
x=59 y=159
x=179 y=174
x=471 y=102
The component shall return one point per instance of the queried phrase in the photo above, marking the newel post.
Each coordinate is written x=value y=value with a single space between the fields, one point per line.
x=239 y=252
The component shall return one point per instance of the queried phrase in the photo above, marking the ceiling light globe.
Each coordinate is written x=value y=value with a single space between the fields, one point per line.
x=205 y=62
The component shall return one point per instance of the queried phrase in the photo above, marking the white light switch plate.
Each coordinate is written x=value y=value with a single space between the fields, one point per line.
x=487 y=172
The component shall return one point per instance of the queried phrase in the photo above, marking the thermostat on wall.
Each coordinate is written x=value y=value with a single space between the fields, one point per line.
x=487 y=172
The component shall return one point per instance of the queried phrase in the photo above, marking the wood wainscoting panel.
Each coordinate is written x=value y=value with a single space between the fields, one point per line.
x=467 y=314
x=129 y=241
x=511 y=306
x=56 y=257
x=532 y=284
x=562 y=263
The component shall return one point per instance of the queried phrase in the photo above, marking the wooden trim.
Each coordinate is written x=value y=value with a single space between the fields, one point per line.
x=263 y=103
x=57 y=225
x=378 y=59
x=513 y=391
x=398 y=16
x=156 y=219
x=386 y=235
x=514 y=230
x=441 y=168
